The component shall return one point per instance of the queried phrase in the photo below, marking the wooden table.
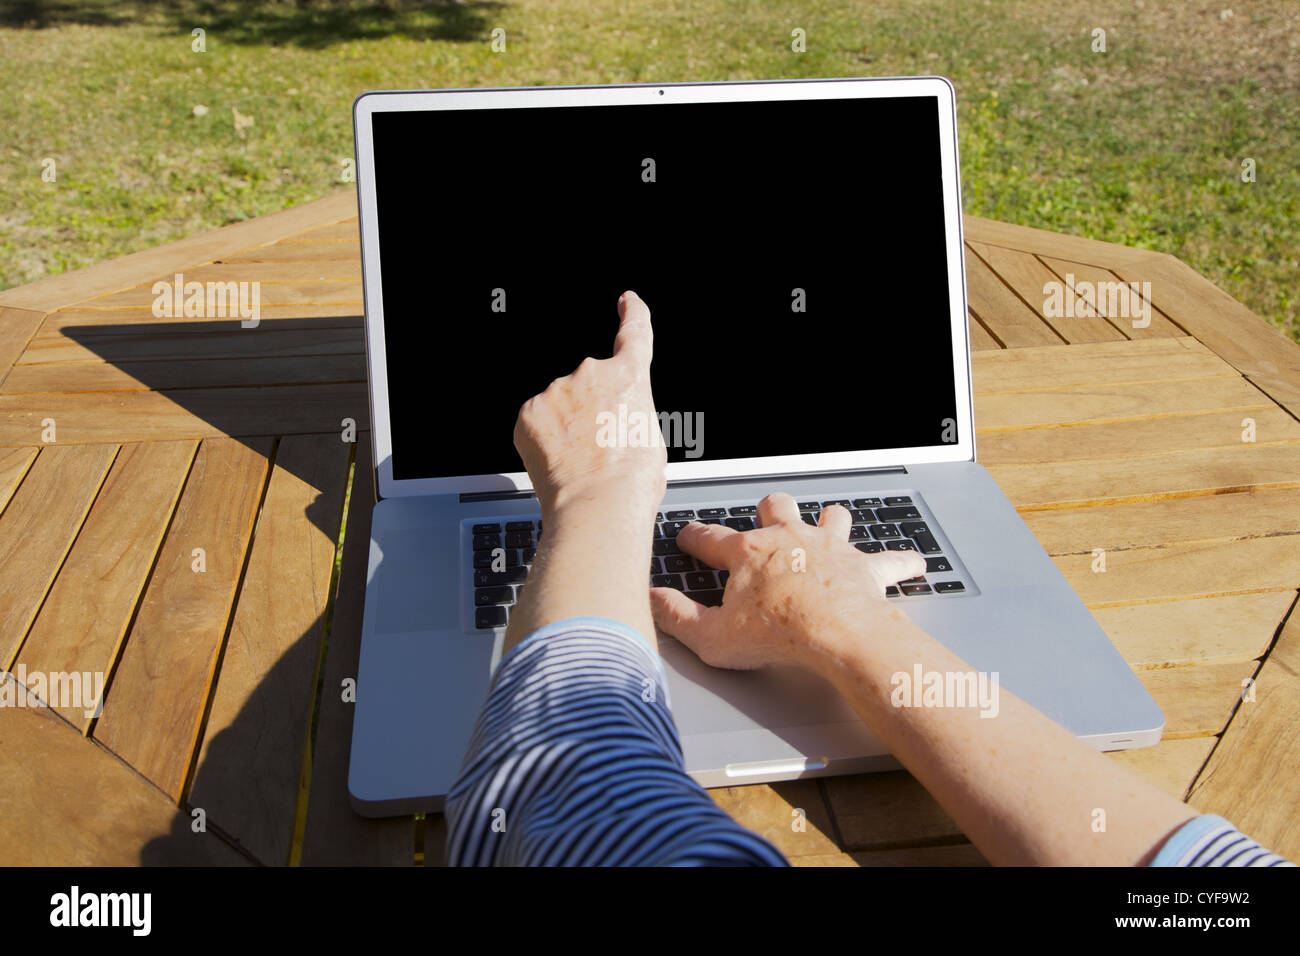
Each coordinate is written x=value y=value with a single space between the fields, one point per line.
x=178 y=535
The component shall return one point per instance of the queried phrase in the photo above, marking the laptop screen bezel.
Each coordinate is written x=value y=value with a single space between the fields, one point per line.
x=661 y=94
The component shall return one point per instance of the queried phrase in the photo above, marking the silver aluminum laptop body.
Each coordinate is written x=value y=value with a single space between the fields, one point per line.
x=425 y=667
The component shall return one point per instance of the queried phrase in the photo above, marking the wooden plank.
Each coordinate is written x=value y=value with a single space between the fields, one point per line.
x=66 y=802
x=775 y=810
x=882 y=810
x=125 y=271
x=17 y=326
x=348 y=229
x=1137 y=438
x=178 y=342
x=1043 y=368
x=198 y=373
x=1251 y=778
x=1012 y=322
x=251 y=759
x=266 y=274
x=83 y=324
x=1117 y=403
x=1262 y=353
x=1171 y=765
x=1044 y=242
x=307 y=292
x=14 y=463
x=1073 y=273
x=154 y=707
x=1234 y=627
x=1203 y=569
x=1027 y=276
x=335 y=835
x=980 y=339
x=1213 y=471
x=37 y=529
x=295 y=250
x=1197 y=701
x=186 y=413
x=1155 y=524
x=83 y=622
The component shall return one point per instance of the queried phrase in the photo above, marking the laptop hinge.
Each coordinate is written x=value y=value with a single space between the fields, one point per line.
x=893 y=470
x=495 y=496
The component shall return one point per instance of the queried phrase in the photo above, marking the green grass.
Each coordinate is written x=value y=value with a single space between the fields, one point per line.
x=1142 y=144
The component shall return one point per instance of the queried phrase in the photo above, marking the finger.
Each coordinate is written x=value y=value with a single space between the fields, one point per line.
x=838 y=519
x=891 y=567
x=678 y=616
x=775 y=508
x=716 y=545
x=635 y=339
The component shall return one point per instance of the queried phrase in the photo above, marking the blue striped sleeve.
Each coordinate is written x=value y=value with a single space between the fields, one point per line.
x=575 y=760
x=1208 y=840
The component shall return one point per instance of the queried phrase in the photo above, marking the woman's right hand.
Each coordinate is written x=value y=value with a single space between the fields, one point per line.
x=791 y=588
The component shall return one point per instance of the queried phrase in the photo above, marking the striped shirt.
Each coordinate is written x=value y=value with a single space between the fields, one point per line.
x=575 y=760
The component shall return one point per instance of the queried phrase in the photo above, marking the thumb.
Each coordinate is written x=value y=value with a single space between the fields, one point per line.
x=678 y=616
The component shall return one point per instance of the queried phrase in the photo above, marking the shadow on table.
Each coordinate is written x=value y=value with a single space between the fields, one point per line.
x=246 y=760
x=310 y=24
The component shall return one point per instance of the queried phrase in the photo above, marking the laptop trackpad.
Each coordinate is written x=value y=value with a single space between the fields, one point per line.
x=710 y=700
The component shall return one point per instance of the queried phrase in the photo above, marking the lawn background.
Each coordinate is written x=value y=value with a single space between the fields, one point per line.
x=1141 y=144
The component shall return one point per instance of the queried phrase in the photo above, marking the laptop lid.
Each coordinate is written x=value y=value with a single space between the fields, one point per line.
x=799 y=244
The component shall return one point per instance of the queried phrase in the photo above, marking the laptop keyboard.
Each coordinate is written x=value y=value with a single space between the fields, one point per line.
x=502 y=551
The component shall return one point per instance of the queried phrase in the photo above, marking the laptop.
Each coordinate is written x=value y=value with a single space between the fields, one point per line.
x=799 y=244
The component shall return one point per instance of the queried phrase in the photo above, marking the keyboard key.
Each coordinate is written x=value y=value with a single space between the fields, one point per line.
x=701 y=581
x=713 y=512
x=707 y=598
x=519 y=539
x=740 y=524
x=919 y=579
x=870 y=547
x=485 y=617
x=670 y=528
x=911 y=528
x=863 y=516
x=666 y=546
x=722 y=578
x=901 y=545
x=686 y=515
x=487 y=529
x=891 y=591
x=857 y=533
x=809 y=506
x=937 y=565
x=810 y=518
x=529 y=554
x=710 y=521
x=949 y=587
x=906 y=513
x=485 y=559
x=912 y=590
x=838 y=501
x=882 y=531
x=745 y=510
x=485 y=596
x=866 y=502
x=898 y=500
x=676 y=563
x=656 y=567
x=659 y=517
x=667 y=581
x=489 y=579
x=519 y=526
x=485 y=542
x=925 y=543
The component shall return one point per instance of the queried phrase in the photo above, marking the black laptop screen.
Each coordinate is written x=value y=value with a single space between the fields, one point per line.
x=792 y=255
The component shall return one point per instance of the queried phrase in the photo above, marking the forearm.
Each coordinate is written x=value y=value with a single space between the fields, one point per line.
x=589 y=564
x=1024 y=789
